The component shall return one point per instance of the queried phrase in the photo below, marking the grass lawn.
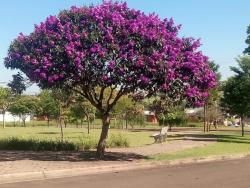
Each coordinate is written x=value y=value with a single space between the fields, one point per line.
x=40 y=130
x=229 y=141
x=227 y=144
x=74 y=134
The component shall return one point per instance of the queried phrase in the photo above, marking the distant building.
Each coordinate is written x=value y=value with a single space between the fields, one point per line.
x=150 y=116
x=194 y=114
x=10 y=118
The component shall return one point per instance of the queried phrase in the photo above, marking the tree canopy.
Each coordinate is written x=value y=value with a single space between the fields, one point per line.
x=48 y=106
x=236 y=97
x=111 y=45
x=23 y=106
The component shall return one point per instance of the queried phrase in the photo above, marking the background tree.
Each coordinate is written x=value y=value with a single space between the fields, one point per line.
x=91 y=49
x=24 y=106
x=75 y=115
x=82 y=109
x=247 y=50
x=62 y=100
x=130 y=111
x=176 y=117
x=236 y=96
x=168 y=112
x=135 y=115
x=212 y=102
x=121 y=110
x=48 y=106
x=5 y=101
x=17 y=85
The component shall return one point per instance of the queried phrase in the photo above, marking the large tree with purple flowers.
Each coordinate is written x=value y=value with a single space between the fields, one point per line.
x=112 y=49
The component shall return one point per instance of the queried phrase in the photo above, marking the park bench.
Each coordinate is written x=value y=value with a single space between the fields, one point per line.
x=161 y=136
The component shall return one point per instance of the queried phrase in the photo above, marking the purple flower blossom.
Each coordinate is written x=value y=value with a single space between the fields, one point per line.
x=26 y=58
x=111 y=65
x=21 y=37
x=139 y=63
x=144 y=79
x=34 y=62
x=51 y=80
x=42 y=75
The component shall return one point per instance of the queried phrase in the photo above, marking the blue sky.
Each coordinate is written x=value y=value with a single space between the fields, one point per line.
x=221 y=24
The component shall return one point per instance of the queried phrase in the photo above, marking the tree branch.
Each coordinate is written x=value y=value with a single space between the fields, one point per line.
x=86 y=95
x=101 y=95
x=121 y=92
x=110 y=95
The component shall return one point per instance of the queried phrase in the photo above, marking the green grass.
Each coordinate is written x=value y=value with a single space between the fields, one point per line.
x=227 y=144
x=74 y=135
x=211 y=150
x=229 y=141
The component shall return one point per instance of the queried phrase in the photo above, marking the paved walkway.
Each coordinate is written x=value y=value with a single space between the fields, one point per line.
x=162 y=148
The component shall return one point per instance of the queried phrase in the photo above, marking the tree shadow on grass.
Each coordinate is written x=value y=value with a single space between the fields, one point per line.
x=173 y=129
x=48 y=133
x=144 y=130
x=229 y=138
x=67 y=156
x=234 y=131
x=233 y=139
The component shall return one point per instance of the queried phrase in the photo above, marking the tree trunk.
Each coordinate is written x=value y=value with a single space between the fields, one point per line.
x=48 y=121
x=170 y=127
x=24 y=123
x=61 y=129
x=205 y=114
x=60 y=123
x=242 y=127
x=132 y=125
x=19 y=121
x=88 y=123
x=81 y=123
x=65 y=123
x=3 y=119
x=215 y=124
x=104 y=134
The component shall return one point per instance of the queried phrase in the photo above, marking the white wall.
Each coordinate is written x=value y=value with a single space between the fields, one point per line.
x=10 y=118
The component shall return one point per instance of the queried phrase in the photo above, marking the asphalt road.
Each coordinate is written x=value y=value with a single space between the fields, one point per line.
x=226 y=174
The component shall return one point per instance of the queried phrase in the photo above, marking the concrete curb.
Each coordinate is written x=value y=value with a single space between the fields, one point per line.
x=51 y=174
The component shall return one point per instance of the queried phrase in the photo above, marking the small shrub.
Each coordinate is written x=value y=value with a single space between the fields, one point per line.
x=88 y=143
x=118 y=140
x=31 y=144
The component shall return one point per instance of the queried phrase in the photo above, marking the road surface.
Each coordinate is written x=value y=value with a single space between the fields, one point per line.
x=225 y=174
